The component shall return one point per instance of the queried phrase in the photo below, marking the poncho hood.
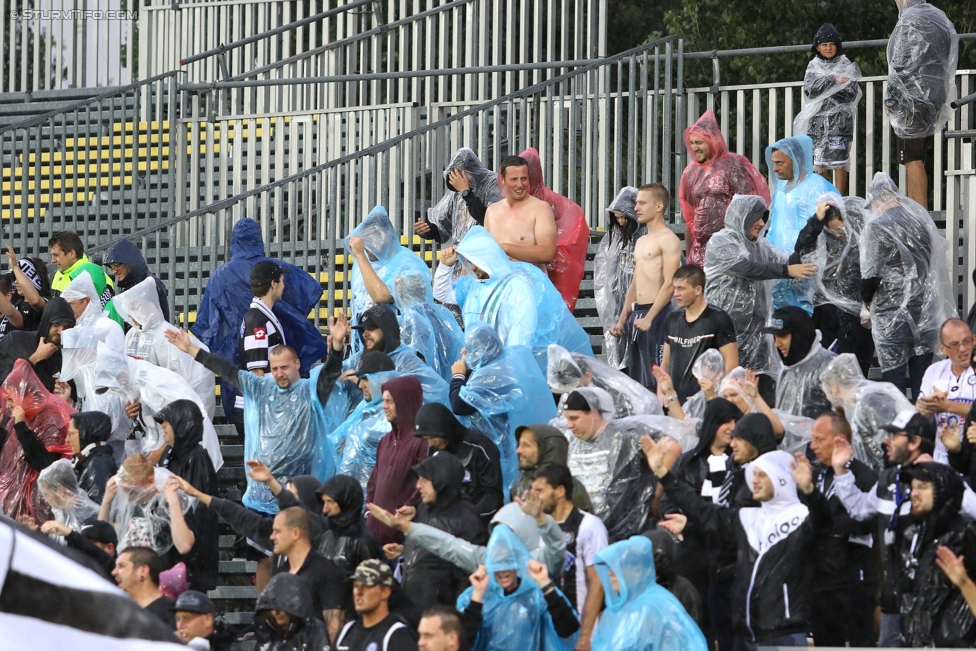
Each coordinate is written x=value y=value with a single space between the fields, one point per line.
x=378 y=235
x=707 y=129
x=800 y=151
x=483 y=346
x=139 y=306
x=828 y=34
x=480 y=249
x=127 y=253
x=289 y=593
x=632 y=561
x=246 y=240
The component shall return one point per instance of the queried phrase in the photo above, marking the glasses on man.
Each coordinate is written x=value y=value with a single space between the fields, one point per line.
x=965 y=343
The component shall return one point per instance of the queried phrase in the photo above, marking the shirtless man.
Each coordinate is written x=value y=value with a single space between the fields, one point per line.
x=648 y=303
x=523 y=225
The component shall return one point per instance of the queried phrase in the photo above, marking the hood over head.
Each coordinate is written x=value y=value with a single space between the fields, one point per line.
x=779 y=466
x=536 y=182
x=707 y=129
x=840 y=378
x=483 y=181
x=718 y=411
x=408 y=395
x=480 y=249
x=139 y=306
x=632 y=561
x=347 y=492
x=446 y=473
x=81 y=287
x=800 y=150
x=563 y=374
x=552 y=443
x=99 y=279
x=412 y=287
x=947 y=500
x=626 y=204
x=710 y=365
x=665 y=554
x=758 y=430
x=743 y=211
x=882 y=189
x=378 y=235
x=127 y=253
x=435 y=419
x=506 y=552
x=246 y=240
x=483 y=346
x=287 y=592
x=803 y=334
x=383 y=317
x=57 y=310
x=828 y=34
x=93 y=427
x=186 y=420
x=519 y=523
x=307 y=488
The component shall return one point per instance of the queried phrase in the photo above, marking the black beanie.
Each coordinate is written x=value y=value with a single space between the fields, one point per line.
x=576 y=402
x=758 y=430
x=375 y=362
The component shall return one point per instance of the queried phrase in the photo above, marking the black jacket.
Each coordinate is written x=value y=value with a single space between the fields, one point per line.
x=95 y=463
x=427 y=578
x=21 y=344
x=345 y=540
x=288 y=593
x=127 y=253
x=964 y=461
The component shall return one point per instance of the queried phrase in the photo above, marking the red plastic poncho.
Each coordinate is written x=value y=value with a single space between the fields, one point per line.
x=48 y=417
x=572 y=233
x=707 y=188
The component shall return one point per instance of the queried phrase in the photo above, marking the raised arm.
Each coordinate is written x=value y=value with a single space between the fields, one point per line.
x=24 y=285
x=860 y=505
x=375 y=287
x=226 y=369
x=183 y=538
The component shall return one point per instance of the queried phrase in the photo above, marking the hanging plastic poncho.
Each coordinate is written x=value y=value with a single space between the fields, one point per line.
x=388 y=260
x=59 y=488
x=867 y=405
x=146 y=340
x=79 y=351
x=572 y=233
x=516 y=298
x=640 y=614
x=507 y=389
x=923 y=51
x=710 y=365
x=429 y=329
x=747 y=302
x=450 y=214
x=519 y=620
x=901 y=245
x=568 y=371
x=837 y=257
x=47 y=416
x=356 y=439
x=140 y=512
x=108 y=330
x=154 y=387
x=831 y=91
x=613 y=269
x=708 y=186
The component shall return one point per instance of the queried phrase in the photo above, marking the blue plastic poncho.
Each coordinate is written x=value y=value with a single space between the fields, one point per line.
x=794 y=202
x=507 y=389
x=520 y=620
x=228 y=296
x=389 y=260
x=355 y=440
x=286 y=429
x=517 y=299
x=641 y=615
x=429 y=329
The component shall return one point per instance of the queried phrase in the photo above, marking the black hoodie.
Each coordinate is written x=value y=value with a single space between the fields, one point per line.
x=288 y=593
x=665 y=552
x=427 y=578
x=21 y=344
x=477 y=453
x=127 y=253
x=95 y=463
x=384 y=317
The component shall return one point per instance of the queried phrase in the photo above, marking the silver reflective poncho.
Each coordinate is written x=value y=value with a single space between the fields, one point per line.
x=450 y=214
x=70 y=505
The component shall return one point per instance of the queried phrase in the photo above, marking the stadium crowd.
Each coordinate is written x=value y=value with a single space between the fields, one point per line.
x=452 y=468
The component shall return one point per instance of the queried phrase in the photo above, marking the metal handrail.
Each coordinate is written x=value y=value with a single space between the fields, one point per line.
x=789 y=49
x=221 y=49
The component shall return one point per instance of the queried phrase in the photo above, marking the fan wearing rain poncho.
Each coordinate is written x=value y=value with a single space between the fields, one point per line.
x=906 y=283
x=93 y=459
x=228 y=297
x=497 y=388
x=568 y=371
x=514 y=298
x=516 y=612
x=471 y=188
x=709 y=370
x=87 y=308
x=429 y=329
x=605 y=455
x=796 y=189
x=145 y=340
x=830 y=87
x=712 y=177
x=798 y=391
x=867 y=405
x=70 y=505
x=640 y=615
x=613 y=270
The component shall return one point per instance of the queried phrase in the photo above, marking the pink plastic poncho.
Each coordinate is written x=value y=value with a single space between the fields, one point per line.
x=48 y=417
x=707 y=188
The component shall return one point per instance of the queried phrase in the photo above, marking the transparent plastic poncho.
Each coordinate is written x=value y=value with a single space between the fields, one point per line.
x=797 y=429
x=613 y=269
x=707 y=188
x=450 y=214
x=391 y=259
x=146 y=340
x=69 y=504
x=838 y=256
x=507 y=389
x=747 y=302
x=154 y=388
x=140 y=513
x=867 y=405
x=356 y=439
x=79 y=351
x=519 y=620
x=710 y=365
x=923 y=52
x=831 y=91
x=572 y=233
x=108 y=330
x=517 y=299
x=901 y=245
x=641 y=615
x=429 y=329
x=47 y=416
x=798 y=389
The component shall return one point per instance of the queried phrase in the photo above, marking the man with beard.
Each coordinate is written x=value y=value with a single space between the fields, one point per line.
x=42 y=348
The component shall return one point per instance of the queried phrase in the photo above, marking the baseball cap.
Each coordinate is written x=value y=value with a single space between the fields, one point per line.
x=101 y=532
x=373 y=572
x=374 y=362
x=375 y=318
x=785 y=320
x=192 y=601
x=266 y=271
x=912 y=423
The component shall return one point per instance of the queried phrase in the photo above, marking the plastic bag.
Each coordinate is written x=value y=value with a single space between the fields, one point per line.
x=357 y=438
x=613 y=269
x=59 y=488
x=450 y=214
x=707 y=187
x=710 y=365
x=830 y=87
x=901 y=245
x=429 y=329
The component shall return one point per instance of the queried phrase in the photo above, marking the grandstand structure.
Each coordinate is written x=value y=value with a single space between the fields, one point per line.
x=303 y=116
